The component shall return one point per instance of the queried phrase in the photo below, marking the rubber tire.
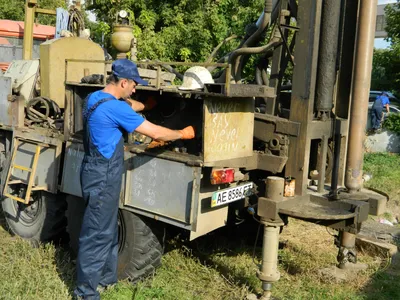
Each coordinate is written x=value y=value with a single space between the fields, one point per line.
x=141 y=246
x=48 y=225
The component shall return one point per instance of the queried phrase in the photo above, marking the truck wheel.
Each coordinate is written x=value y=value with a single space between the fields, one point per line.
x=42 y=220
x=139 y=239
x=140 y=246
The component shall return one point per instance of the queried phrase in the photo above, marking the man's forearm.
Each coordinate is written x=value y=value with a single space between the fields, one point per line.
x=136 y=105
x=166 y=134
x=158 y=132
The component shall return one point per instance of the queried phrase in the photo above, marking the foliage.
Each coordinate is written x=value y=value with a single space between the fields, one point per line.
x=181 y=30
x=386 y=70
x=392 y=13
x=386 y=64
x=392 y=123
x=15 y=10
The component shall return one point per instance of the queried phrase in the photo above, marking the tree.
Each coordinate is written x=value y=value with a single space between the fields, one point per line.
x=15 y=10
x=186 y=30
x=386 y=64
x=385 y=70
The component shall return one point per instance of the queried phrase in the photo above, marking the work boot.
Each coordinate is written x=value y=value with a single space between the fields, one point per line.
x=101 y=289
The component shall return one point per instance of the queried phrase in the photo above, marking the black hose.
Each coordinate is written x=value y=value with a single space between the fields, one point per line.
x=46 y=108
x=336 y=161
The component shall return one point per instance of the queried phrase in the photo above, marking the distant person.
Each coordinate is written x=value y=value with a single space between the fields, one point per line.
x=381 y=102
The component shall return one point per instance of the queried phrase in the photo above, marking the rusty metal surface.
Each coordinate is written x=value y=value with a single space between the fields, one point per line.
x=249 y=163
x=346 y=57
x=303 y=90
x=188 y=159
x=240 y=90
x=323 y=167
x=272 y=163
x=283 y=126
x=327 y=56
x=11 y=106
x=258 y=161
x=228 y=129
x=317 y=208
x=360 y=94
x=216 y=90
x=277 y=67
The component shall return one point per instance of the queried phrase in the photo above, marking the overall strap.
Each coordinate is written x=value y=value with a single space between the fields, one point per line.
x=86 y=116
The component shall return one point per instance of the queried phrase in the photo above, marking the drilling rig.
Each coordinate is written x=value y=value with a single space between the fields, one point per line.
x=275 y=147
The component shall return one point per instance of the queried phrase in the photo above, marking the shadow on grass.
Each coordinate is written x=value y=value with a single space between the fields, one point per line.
x=225 y=242
x=385 y=283
x=65 y=268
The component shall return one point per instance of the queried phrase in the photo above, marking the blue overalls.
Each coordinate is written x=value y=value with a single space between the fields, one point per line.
x=376 y=113
x=101 y=180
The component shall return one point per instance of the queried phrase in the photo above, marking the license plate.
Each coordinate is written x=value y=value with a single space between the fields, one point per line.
x=232 y=194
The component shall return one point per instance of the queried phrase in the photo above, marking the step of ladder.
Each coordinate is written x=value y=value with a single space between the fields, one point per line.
x=31 y=176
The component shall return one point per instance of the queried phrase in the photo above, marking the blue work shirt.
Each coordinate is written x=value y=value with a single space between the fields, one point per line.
x=384 y=99
x=108 y=120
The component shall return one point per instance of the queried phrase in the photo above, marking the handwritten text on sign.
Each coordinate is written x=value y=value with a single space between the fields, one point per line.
x=228 y=129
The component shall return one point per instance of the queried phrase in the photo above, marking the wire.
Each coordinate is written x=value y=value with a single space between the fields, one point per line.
x=76 y=22
x=327 y=230
x=255 y=243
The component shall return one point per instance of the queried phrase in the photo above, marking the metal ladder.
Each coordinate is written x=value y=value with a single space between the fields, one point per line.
x=31 y=176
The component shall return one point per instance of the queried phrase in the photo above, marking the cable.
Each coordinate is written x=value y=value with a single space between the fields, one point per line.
x=255 y=243
x=76 y=22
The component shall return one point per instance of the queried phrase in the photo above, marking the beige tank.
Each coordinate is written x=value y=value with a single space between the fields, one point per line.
x=53 y=54
x=121 y=39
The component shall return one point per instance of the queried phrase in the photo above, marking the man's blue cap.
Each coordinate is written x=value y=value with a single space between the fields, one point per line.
x=125 y=68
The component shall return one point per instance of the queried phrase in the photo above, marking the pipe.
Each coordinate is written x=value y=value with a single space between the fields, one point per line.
x=212 y=55
x=268 y=272
x=274 y=16
x=336 y=162
x=328 y=49
x=269 y=265
x=275 y=42
x=347 y=240
x=324 y=152
x=253 y=39
x=261 y=73
x=347 y=255
x=266 y=18
x=30 y=9
x=172 y=70
x=360 y=94
x=254 y=50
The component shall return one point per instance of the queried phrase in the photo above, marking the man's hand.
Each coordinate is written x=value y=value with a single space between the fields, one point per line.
x=187 y=133
x=156 y=144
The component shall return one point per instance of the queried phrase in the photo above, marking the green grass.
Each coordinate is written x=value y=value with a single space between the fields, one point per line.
x=385 y=170
x=219 y=265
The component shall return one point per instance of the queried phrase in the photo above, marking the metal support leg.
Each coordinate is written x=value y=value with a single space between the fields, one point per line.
x=347 y=251
x=268 y=272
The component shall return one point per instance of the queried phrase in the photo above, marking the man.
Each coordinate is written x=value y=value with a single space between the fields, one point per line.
x=381 y=101
x=105 y=117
